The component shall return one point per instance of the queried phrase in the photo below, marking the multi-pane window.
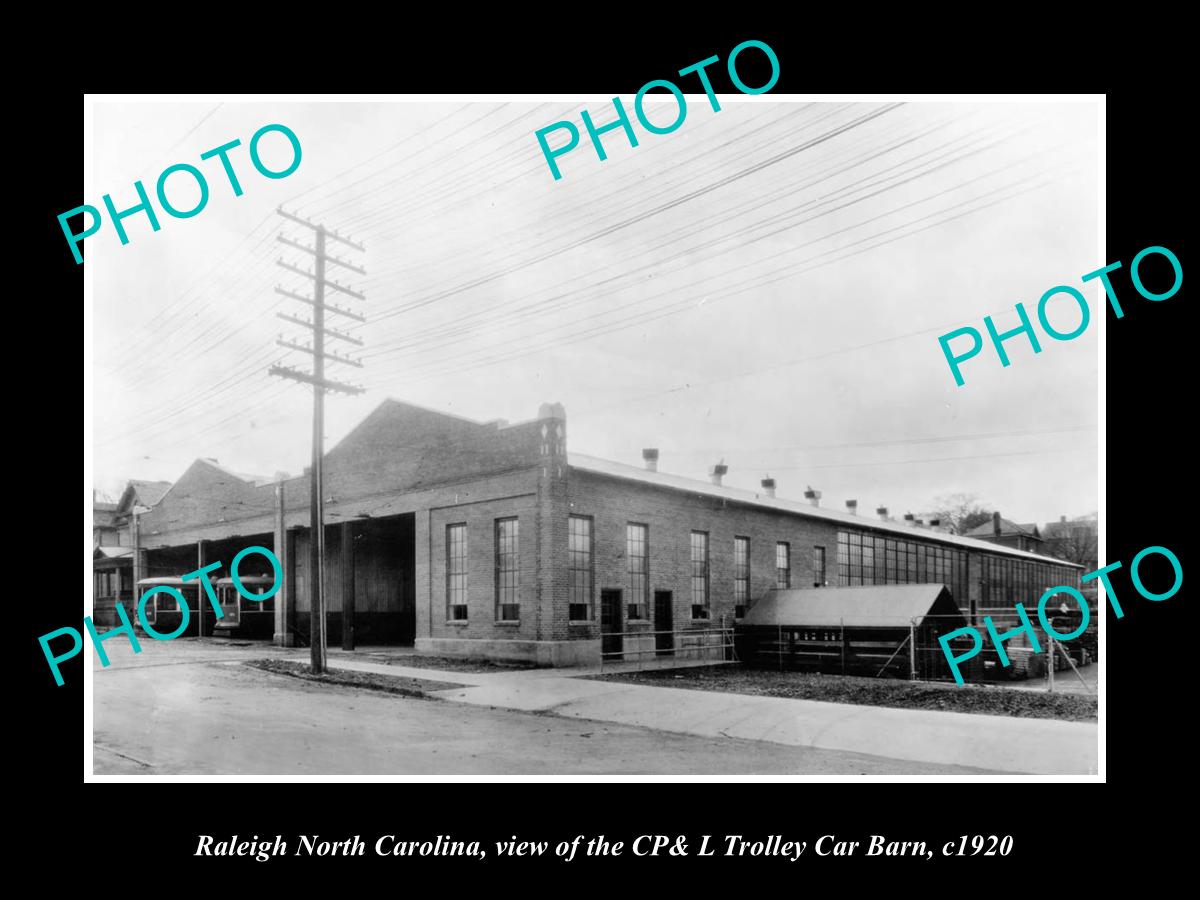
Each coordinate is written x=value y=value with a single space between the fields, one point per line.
x=456 y=572
x=699 y=574
x=637 y=550
x=579 y=554
x=783 y=565
x=508 y=570
x=819 y=565
x=1005 y=581
x=741 y=576
x=1008 y=581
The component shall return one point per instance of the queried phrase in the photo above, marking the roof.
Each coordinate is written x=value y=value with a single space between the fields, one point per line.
x=1007 y=527
x=112 y=552
x=888 y=605
x=397 y=449
x=691 y=485
x=149 y=492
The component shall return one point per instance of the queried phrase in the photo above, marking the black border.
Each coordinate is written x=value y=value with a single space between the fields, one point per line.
x=1148 y=402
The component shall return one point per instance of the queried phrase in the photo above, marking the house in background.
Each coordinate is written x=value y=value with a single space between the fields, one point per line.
x=1010 y=534
x=112 y=547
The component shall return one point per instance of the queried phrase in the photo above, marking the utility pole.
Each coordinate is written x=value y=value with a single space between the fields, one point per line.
x=320 y=384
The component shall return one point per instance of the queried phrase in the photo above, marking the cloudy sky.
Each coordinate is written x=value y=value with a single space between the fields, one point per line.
x=765 y=286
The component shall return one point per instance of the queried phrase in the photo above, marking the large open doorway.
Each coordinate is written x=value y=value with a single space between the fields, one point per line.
x=370 y=581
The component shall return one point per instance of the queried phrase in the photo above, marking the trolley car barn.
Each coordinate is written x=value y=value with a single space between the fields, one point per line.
x=490 y=539
x=851 y=630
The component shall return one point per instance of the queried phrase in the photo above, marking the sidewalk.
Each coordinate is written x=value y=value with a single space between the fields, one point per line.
x=1036 y=746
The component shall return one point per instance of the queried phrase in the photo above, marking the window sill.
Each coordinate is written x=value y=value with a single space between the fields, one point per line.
x=457 y=622
x=638 y=622
x=511 y=623
x=579 y=622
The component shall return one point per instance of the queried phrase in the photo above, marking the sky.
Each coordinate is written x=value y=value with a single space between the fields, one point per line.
x=764 y=286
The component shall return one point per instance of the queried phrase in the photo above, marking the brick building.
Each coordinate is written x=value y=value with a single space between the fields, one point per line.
x=490 y=539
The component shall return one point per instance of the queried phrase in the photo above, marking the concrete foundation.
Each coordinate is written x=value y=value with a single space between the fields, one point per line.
x=541 y=653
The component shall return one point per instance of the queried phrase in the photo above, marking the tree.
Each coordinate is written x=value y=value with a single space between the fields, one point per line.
x=1075 y=541
x=961 y=512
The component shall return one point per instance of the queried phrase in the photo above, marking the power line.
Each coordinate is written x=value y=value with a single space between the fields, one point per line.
x=913 y=462
x=895 y=442
x=468 y=323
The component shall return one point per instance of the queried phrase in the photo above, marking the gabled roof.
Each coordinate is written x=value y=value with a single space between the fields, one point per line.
x=1007 y=527
x=397 y=448
x=142 y=493
x=691 y=485
x=883 y=605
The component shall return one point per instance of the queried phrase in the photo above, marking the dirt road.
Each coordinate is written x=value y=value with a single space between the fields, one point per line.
x=186 y=708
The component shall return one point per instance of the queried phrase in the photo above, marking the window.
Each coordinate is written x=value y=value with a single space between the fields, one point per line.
x=579 y=552
x=637 y=548
x=783 y=565
x=819 y=564
x=456 y=572
x=699 y=574
x=508 y=572
x=741 y=576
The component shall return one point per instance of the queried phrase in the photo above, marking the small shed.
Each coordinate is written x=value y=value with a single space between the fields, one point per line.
x=870 y=630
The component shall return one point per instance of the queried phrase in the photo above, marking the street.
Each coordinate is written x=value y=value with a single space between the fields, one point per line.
x=192 y=708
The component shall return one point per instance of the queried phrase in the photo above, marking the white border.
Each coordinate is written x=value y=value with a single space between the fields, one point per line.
x=1101 y=305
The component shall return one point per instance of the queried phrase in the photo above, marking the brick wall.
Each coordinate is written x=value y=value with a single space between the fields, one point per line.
x=482 y=615
x=671 y=516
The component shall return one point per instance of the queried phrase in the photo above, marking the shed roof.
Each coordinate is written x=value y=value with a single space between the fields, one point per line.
x=883 y=605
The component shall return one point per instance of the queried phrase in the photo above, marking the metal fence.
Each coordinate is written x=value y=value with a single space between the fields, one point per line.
x=653 y=648
x=849 y=647
x=1054 y=659
x=912 y=650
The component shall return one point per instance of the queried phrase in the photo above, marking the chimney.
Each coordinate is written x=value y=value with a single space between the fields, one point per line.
x=1062 y=520
x=920 y=523
x=650 y=458
x=717 y=472
x=813 y=497
x=996 y=523
x=852 y=507
x=909 y=519
x=935 y=523
x=881 y=511
x=768 y=486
